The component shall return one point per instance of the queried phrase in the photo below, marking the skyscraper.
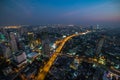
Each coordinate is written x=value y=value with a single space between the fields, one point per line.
x=45 y=44
x=5 y=51
x=13 y=42
x=45 y=47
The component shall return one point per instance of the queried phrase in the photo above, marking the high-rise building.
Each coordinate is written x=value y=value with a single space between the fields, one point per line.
x=45 y=47
x=21 y=45
x=2 y=37
x=20 y=56
x=13 y=42
x=45 y=44
x=5 y=51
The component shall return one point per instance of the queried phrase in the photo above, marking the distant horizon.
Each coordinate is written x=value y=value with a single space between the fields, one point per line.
x=87 y=25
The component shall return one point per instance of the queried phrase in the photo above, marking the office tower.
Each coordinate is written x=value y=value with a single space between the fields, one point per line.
x=13 y=42
x=2 y=37
x=45 y=44
x=21 y=45
x=20 y=56
x=5 y=51
x=45 y=47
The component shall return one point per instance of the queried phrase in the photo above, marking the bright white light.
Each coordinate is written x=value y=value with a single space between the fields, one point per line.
x=64 y=36
x=74 y=53
x=76 y=32
x=83 y=33
x=54 y=46
x=94 y=65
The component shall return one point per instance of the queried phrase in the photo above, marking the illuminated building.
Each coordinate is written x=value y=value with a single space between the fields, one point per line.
x=45 y=44
x=21 y=45
x=20 y=58
x=2 y=37
x=12 y=27
x=13 y=42
x=5 y=51
x=45 y=47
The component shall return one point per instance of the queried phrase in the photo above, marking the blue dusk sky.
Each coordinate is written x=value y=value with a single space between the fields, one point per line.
x=34 y=12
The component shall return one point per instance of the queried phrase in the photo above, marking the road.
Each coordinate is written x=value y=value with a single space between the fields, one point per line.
x=42 y=74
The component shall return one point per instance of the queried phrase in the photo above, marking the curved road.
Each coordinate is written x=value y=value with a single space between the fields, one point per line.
x=42 y=73
x=46 y=68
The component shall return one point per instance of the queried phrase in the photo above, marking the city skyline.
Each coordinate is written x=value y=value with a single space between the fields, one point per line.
x=59 y=39
x=35 y=12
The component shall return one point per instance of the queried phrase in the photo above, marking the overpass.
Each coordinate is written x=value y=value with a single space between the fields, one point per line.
x=42 y=74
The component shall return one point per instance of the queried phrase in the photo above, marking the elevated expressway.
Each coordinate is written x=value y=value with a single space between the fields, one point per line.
x=43 y=72
x=46 y=68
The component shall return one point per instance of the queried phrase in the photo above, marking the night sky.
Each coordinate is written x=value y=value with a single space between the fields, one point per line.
x=35 y=12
